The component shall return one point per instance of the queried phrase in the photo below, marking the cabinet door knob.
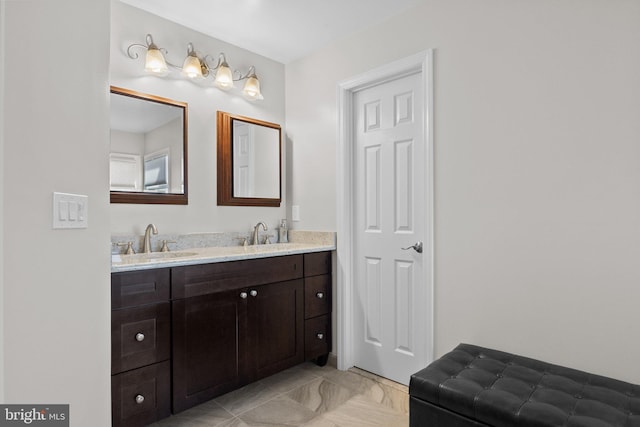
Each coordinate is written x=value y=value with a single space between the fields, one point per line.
x=320 y=336
x=139 y=399
x=139 y=337
x=254 y=293
x=320 y=295
x=243 y=295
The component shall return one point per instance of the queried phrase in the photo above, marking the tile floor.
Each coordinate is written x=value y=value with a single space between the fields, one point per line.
x=305 y=395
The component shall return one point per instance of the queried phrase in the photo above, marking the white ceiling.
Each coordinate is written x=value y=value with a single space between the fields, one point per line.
x=283 y=30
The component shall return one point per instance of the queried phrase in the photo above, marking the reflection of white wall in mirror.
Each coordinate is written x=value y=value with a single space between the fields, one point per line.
x=267 y=165
x=127 y=142
x=256 y=161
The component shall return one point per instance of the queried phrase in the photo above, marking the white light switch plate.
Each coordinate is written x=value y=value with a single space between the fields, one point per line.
x=70 y=210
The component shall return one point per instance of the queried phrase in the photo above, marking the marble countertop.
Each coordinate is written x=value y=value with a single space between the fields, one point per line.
x=191 y=256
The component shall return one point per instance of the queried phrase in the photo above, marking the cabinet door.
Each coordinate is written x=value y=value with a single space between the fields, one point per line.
x=208 y=347
x=276 y=327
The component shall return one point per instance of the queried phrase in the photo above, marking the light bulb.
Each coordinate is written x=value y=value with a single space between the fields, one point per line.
x=192 y=67
x=251 y=88
x=154 y=61
x=224 y=77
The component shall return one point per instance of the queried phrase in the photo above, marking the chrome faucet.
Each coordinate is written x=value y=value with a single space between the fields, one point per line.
x=256 y=240
x=146 y=246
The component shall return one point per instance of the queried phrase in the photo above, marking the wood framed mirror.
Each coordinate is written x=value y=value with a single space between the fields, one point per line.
x=249 y=161
x=148 y=155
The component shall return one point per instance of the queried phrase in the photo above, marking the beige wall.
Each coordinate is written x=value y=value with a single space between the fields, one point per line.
x=56 y=282
x=130 y=25
x=537 y=169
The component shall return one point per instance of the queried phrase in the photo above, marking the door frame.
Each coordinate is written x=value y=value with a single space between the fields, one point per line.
x=421 y=62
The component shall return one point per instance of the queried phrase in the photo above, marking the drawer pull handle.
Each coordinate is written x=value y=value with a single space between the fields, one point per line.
x=139 y=337
x=320 y=295
x=243 y=295
x=254 y=293
x=139 y=399
x=320 y=336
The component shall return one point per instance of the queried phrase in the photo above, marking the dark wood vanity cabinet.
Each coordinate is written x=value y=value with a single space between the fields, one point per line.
x=227 y=324
x=237 y=322
x=317 y=302
x=140 y=347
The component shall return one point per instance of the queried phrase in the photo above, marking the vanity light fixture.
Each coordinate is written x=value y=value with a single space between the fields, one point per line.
x=197 y=67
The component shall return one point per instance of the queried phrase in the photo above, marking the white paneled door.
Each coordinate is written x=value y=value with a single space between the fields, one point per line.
x=391 y=309
x=243 y=162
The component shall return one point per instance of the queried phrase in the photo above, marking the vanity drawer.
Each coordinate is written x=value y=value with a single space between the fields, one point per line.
x=317 y=295
x=140 y=336
x=132 y=288
x=317 y=263
x=317 y=336
x=195 y=280
x=142 y=396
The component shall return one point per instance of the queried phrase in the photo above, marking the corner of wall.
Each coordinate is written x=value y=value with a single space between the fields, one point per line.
x=2 y=27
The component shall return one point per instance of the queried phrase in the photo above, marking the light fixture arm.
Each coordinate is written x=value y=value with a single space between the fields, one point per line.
x=251 y=72
x=222 y=59
x=150 y=45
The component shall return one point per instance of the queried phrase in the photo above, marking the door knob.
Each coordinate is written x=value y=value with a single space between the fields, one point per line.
x=416 y=247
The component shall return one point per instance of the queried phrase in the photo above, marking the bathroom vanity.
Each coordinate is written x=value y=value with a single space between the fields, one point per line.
x=191 y=331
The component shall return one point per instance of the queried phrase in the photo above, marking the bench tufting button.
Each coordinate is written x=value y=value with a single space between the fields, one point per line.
x=499 y=375
x=577 y=396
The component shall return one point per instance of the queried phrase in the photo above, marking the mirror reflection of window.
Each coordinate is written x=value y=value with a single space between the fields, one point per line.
x=125 y=172
x=147 y=130
x=156 y=172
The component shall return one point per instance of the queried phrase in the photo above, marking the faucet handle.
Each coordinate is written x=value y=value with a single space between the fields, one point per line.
x=243 y=241
x=165 y=246
x=267 y=240
x=129 y=250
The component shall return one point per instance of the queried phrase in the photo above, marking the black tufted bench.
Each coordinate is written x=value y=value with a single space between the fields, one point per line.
x=475 y=386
